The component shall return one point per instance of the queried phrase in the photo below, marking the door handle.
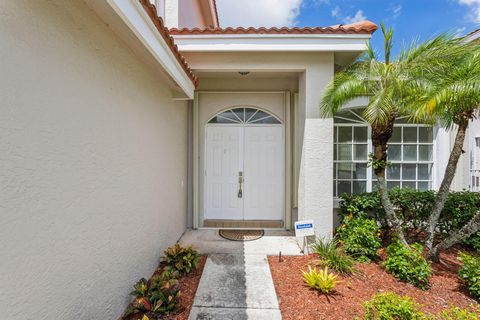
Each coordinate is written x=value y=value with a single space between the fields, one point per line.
x=240 y=182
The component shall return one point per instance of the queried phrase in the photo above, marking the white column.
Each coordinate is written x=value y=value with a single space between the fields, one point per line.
x=316 y=166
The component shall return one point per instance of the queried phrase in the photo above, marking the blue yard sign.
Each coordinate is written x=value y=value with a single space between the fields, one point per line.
x=304 y=228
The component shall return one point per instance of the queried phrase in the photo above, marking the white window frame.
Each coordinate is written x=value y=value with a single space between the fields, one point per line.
x=370 y=180
x=417 y=143
x=337 y=161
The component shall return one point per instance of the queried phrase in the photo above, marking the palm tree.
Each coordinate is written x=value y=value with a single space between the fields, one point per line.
x=450 y=93
x=387 y=84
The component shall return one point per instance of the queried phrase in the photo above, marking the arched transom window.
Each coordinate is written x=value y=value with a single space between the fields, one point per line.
x=244 y=115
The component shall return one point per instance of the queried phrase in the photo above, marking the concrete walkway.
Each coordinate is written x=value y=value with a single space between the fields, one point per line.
x=236 y=283
x=236 y=287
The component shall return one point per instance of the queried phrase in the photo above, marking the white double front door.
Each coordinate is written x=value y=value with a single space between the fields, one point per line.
x=244 y=172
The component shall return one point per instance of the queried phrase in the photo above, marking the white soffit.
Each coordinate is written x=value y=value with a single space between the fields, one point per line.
x=136 y=18
x=271 y=42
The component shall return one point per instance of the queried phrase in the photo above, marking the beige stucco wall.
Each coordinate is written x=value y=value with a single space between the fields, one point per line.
x=93 y=161
x=249 y=83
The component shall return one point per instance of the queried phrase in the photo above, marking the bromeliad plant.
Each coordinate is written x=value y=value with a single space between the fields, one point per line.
x=181 y=259
x=333 y=256
x=322 y=280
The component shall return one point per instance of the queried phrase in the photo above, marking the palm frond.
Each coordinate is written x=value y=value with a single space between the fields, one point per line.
x=387 y=41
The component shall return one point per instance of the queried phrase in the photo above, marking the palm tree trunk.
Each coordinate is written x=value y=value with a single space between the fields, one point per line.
x=444 y=189
x=466 y=231
x=379 y=141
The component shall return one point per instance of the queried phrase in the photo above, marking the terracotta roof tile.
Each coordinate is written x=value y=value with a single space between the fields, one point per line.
x=158 y=22
x=362 y=27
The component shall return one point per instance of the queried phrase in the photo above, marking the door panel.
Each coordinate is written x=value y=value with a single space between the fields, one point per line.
x=264 y=173
x=224 y=160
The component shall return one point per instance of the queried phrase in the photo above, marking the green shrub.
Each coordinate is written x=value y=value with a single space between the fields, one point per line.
x=408 y=265
x=470 y=273
x=474 y=241
x=181 y=259
x=164 y=292
x=360 y=237
x=414 y=207
x=390 y=306
x=455 y=313
x=459 y=208
x=333 y=256
x=155 y=297
x=361 y=204
x=322 y=280
x=140 y=289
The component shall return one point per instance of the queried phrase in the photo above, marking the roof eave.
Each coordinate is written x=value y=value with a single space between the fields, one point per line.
x=351 y=37
x=273 y=43
x=131 y=21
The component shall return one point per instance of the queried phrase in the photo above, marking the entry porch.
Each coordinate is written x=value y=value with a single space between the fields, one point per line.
x=262 y=157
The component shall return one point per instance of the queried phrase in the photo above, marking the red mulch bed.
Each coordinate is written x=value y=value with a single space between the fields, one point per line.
x=297 y=301
x=188 y=288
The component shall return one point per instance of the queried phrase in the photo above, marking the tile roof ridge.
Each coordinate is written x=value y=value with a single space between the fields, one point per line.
x=361 y=27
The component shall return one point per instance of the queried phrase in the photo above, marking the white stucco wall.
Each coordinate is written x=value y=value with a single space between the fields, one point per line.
x=315 y=186
x=93 y=164
x=464 y=180
x=445 y=140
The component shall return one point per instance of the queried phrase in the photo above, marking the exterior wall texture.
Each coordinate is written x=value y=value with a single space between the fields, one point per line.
x=93 y=164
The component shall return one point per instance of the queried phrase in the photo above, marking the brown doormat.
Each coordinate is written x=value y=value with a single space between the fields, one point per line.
x=241 y=235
